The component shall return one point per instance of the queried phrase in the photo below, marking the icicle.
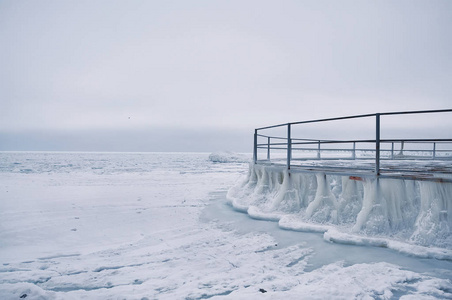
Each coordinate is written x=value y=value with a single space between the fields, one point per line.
x=369 y=198
x=434 y=223
x=287 y=198
x=324 y=200
x=350 y=200
x=306 y=185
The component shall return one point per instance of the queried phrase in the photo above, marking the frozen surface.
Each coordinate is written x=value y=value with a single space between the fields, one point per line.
x=158 y=226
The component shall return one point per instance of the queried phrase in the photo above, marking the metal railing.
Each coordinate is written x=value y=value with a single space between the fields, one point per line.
x=375 y=149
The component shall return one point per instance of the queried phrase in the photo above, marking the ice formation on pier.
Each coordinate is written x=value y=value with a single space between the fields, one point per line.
x=383 y=212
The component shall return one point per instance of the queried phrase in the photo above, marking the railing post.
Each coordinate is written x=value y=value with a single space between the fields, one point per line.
x=289 y=146
x=434 y=150
x=354 y=150
x=377 y=144
x=392 y=150
x=255 y=146
x=318 y=150
x=268 y=148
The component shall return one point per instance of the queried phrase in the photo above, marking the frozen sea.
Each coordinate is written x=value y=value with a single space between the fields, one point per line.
x=158 y=226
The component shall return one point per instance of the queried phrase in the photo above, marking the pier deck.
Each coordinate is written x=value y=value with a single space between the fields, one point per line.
x=433 y=170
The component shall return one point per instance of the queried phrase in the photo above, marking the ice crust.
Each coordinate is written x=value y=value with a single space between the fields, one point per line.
x=389 y=213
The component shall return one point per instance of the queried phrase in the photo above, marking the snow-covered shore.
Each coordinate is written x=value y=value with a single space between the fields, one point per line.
x=158 y=226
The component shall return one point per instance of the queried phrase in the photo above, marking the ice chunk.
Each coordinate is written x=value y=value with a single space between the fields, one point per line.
x=228 y=157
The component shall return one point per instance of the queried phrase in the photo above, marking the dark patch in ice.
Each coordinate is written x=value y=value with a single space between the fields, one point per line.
x=40 y=281
x=100 y=269
x=262 y=291
x=13 y=270
x=296 y=261
x=445 y=289
x=207 y=296
x=70 y=288
x=23 y=296
x=162 y=290
x=78 y=288
x=266 y=249
x=74 y=229
x=76 y=273
x=58 y=256
x=232 y=264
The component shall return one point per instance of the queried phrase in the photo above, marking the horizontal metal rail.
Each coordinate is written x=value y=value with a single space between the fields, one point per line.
x=360 y=141
x=360 y=116
x=379 y=149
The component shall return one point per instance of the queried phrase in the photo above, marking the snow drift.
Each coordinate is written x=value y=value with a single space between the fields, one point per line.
x=383 y=212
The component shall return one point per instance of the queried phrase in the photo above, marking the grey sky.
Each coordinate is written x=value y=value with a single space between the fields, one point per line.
x=169 y=70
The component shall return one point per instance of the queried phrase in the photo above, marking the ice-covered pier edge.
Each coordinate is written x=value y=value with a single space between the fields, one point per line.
x=407 y=215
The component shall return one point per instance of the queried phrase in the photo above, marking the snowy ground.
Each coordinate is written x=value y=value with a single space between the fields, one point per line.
x=158 y=226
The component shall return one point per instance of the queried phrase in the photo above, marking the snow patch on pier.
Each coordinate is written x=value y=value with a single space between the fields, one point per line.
x=409 y=216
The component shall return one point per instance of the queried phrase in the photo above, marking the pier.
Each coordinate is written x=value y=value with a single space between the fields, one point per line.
x=418 y=158
x=390 y=184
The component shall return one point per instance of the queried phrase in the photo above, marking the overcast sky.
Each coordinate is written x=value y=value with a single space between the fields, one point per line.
x=201 y=75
